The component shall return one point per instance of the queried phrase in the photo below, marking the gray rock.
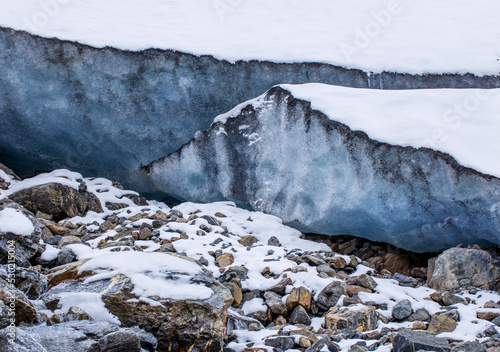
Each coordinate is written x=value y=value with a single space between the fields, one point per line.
x=402 y=310
x=325 y=341
x=77 y=336
x=330 y=295
x=326 y=269
x=411 y=341
x=273 y=241
x=366 y=281
x=22 y=248
x=461 y=267
x=58 y=200
x=420 y=315
x=120 y=341
x=14 y=301
x=275 y=303
x=451 y=299
x=282 y=342
x=496 y=321
x=469 y=346
x=66 y=256
x=300 y=316
x=237 y=321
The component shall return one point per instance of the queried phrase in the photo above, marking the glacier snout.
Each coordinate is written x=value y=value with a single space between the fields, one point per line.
x=278 y=155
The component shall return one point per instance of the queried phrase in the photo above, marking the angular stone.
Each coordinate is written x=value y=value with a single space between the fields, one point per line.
x=275 y=303
x=282 y=342
x=366 y=281
x=330 y=295
x=441 y=323
x=235 y=292
x=58 y=200
x=15 y=301
x=451 y=299
x=469 y=346
x=120 y=341
x=248 y=240
x=359 y=320
x=299 y=296
x=280 y=288
x=337 y=262
x=68 y=240
x=411 y=341
x=225 y=260
x=402 y=310
x=300 y=316
x=353 y=290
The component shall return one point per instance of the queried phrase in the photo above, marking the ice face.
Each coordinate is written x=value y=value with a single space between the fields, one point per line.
x=107 y=111
x=280 y=156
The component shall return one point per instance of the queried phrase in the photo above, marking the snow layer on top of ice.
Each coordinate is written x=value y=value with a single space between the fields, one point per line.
x=393 y=35
x=461 y=122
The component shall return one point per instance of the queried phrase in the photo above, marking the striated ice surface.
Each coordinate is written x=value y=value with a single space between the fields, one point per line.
x=107 y=111
x=278 y=155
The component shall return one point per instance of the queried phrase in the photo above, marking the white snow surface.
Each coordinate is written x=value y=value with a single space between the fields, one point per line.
x=461 y=122
x=12 y=220
x=392 y=35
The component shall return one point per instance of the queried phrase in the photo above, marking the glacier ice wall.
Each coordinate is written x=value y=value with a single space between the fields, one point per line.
x=106 y=111
x=282 y=157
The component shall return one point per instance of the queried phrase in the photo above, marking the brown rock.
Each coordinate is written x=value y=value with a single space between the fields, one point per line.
x=68 y=240
x=337 y=262
x=248 y=240
x=360 y=320
x=441 y=323
x=487 y=315
x=58 y=200
x=353 y=290
x=24 y=310
x=436 y=297
x=419 y=325
x=67 y=272
x=304 y=342
x=236 y=292
x=299 y=296
x=225 y=260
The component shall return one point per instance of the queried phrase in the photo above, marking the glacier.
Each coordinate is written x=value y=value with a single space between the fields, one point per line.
x=280 y=155
x=107 y=111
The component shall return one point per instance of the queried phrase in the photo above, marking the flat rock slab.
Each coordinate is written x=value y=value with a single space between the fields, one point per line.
x=410 y=341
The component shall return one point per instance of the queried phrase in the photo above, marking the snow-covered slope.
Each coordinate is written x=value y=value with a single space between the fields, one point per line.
x=379 y=35
x=315 y=171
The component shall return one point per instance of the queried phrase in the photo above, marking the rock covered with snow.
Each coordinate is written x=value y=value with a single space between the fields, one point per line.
x=279 y=155
x=20 y=233
x=175 y=272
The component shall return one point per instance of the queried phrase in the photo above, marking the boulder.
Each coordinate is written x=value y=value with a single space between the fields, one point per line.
x=300 y=316
x=23 y=246
x=13 y=300
x=441 y=323
x=402 y=310
x=355 y=320
x=458 y=268
x=411 y=341
x=77 y=336
x=275 y=303
x=58 y=200
x=299 y=296
x=330 y=295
